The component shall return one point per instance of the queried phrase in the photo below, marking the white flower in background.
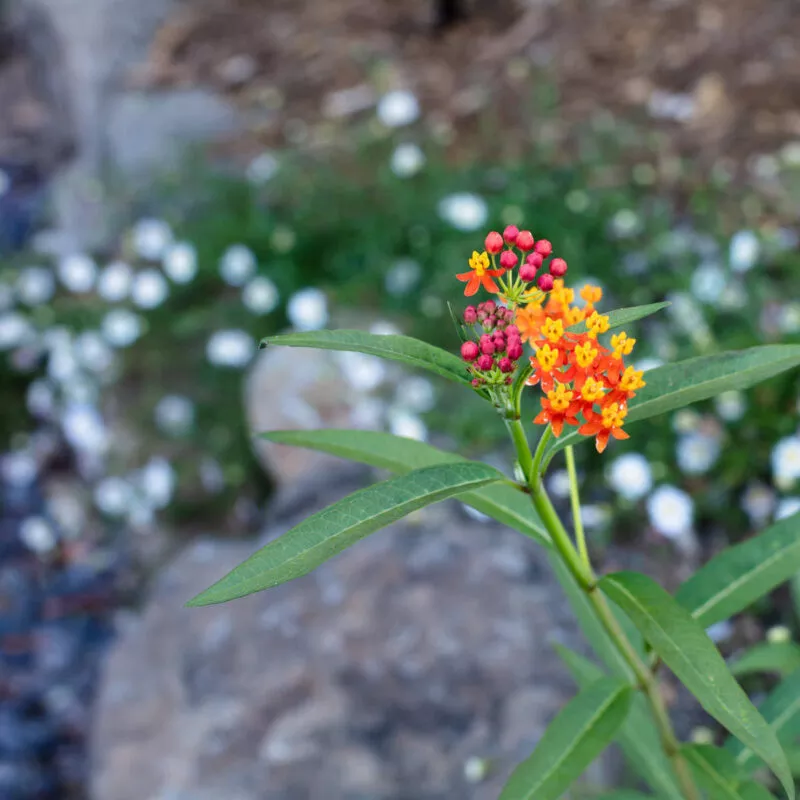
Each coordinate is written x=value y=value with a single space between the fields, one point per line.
x=121 y=327
x=476 y=769
x=140 y=515
x=230 y=348
x=40 y=398
x=84 y=428
x=786 y=462
x=180 y=262
x=731 y=406
x=630 y=476
x=625 y=224
x=465 y=211
x=778 y=634
x=416 y=394
x=14 y=330
x=36 y=285
x=708 y=283
x=789 y=318
x=595 y=516
x=150 y=238
x=646 y=364
x=363 y=372
x=786 y=507
x=80 y=389
x=686 y=421
x=687 y=314
x=384 y=328
x=431 y=306
x=211 y=475
x=758 y=502
x=77 y=272
x=114 y=283
x=237 y=265
x=93 y=352
x=697 y=452
x=577 y=201
x=150 y=289
x=407 y=160
x=260 y=295
x=18 y=468
x=790 y=153
x=157 y=480
x=720 y=631
x=559 y=484
x=368 y=412
x=113 y=496
x=174 y=414
x=671 y=512
x=734 y=297
x=37 y=535
x=744 y=251
x=402 y=276
x=410 y=426
x=62 y=365
x=308 y=310
x=262 y=169
x=398 y=108
x=677 y=106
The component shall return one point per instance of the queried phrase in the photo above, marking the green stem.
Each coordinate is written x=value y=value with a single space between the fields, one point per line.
x=575 y=500
x=584 y=575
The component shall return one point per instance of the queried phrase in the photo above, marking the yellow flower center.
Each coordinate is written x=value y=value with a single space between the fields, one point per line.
x=597 y=324
x=622 y=344
x=592 y=294
x=614 y=416
x=585 y=355
x=631 y=380
x=553 y=330
x=575 y=315
x=592 y=390
x=479 y=262
x=560 y=398
x=547 y=357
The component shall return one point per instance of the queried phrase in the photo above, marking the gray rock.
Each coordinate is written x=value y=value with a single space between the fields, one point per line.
x=368 y=678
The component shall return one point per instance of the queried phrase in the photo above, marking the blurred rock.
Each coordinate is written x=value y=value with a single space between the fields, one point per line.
x=360 y=680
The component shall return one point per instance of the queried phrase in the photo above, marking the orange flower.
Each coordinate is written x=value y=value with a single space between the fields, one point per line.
x=481 y=275
x=612 y=364
x=596 y=324
x=630 y=383
x=557 y=408
x=529 y=320
x=607 y=423
x=582 y=361
x=592 y=295
x=546 y=361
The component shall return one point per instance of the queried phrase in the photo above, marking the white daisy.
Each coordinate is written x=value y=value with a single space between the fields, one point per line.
x=410 y=426
x=37 y=535
x=465 y=211
x=402 y=276
x=398 y=108
x=113 y=496
x=308 y=310
x=260 y=296
x=671 y=511
x=174 y=414
x=150 y=289
x=121 y=327
x=786 y=507
x=230 y=348
x=35 y=285
x=630 y=476
x=744 y=251
x=758 y=502
x=237 y=265
x=78 y=273
x=150 y=238
x=114 y=282
x=786 y=462
x=407 y=160
x=180 y=262
x=697 y=452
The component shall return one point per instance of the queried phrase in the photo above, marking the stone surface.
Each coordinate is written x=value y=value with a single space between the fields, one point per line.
x=377 y=676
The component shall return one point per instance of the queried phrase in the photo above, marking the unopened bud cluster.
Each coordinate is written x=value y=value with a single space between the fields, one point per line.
x=494 y=353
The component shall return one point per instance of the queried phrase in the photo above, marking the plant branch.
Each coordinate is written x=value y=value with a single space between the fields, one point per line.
x=575 y=500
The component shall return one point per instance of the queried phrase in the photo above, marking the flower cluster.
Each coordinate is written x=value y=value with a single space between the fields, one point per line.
x=493 y=357
x=585 y=384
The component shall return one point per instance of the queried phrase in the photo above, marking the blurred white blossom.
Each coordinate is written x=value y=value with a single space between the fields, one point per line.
x=84 y=428
x=114 y=283
x=403 y=423
x=237 y=265
x=744 y=251
x=416 y=394
x=731 y=406
x=150 y=238
x=157 y=480
x=720 y=631
x=40 y=398
x=398 y=108
x=113 y=496
x=786 y=462
x=625 y=224
x=402 y=276
x=407 y=160
x=230 y=348
x=758 y=502
x=708 y=283
x=150 y=289
x=35 y=285
x=308 y=309
x=260 y=295
x=180 y=262
x=37 y=535
x=174 y=414
x=77 y=272
x=262 y=169
x=786 y=507
x=121 y=327
x=465 y=211
x=671 y=511
x=697 y=452
x=18 y=468
x=363 y=372
x=15 y=329
x=630 y=476
x=93 y=352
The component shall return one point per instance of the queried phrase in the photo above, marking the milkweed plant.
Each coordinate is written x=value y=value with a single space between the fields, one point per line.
x=528 y=341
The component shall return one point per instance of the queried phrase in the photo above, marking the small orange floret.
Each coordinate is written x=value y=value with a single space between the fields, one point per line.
x=480 y=275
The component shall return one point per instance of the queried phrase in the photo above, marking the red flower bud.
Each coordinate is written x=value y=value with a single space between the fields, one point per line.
x=545 y=282
x=558 y=268
x=514 y=349
x=493 y=243
x=527 y=272
x=509 y=259
x=476 y=382
x=525 y=240
x=470 y=315
x=544 y=248
x=512 y=330
x=485 y=363
x=505 y=365
x=510 y=234
x=469 y=351
x=490 y=306
x=488 y=347
x=534 y=259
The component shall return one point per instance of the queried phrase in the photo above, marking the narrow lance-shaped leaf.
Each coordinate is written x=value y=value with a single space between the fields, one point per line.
x=754 y=791
x=400 y=455
x=404 y=349
x=686 y=649
x=782 y=711
x=638 y=736
x=741 y=574
x=715 y=770
x=624 y=316
x=331 y=530
x=677 y=385
x=780 y=657
x=578 y=734
x=625 y=794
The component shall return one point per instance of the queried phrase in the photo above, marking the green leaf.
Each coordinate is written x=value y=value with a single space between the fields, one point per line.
x=686 y=649
x=715 y=770
x=793 y=755
x=328 y=532
x=623 y=316
x=754 y=791
x=676 y=385
x=397 y=454
x=405 y=349
x=578 y=734
x=780 y=657
x=625 y=794
x=638 y=737
x=782 y=711
x=741 y=574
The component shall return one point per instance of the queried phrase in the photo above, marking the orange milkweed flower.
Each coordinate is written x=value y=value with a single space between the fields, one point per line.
x=480 y=275
x=557 y=408
x=582 y=361
x=545 y=363
x=612 y=364
x=607 y=423
x=627 y=386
